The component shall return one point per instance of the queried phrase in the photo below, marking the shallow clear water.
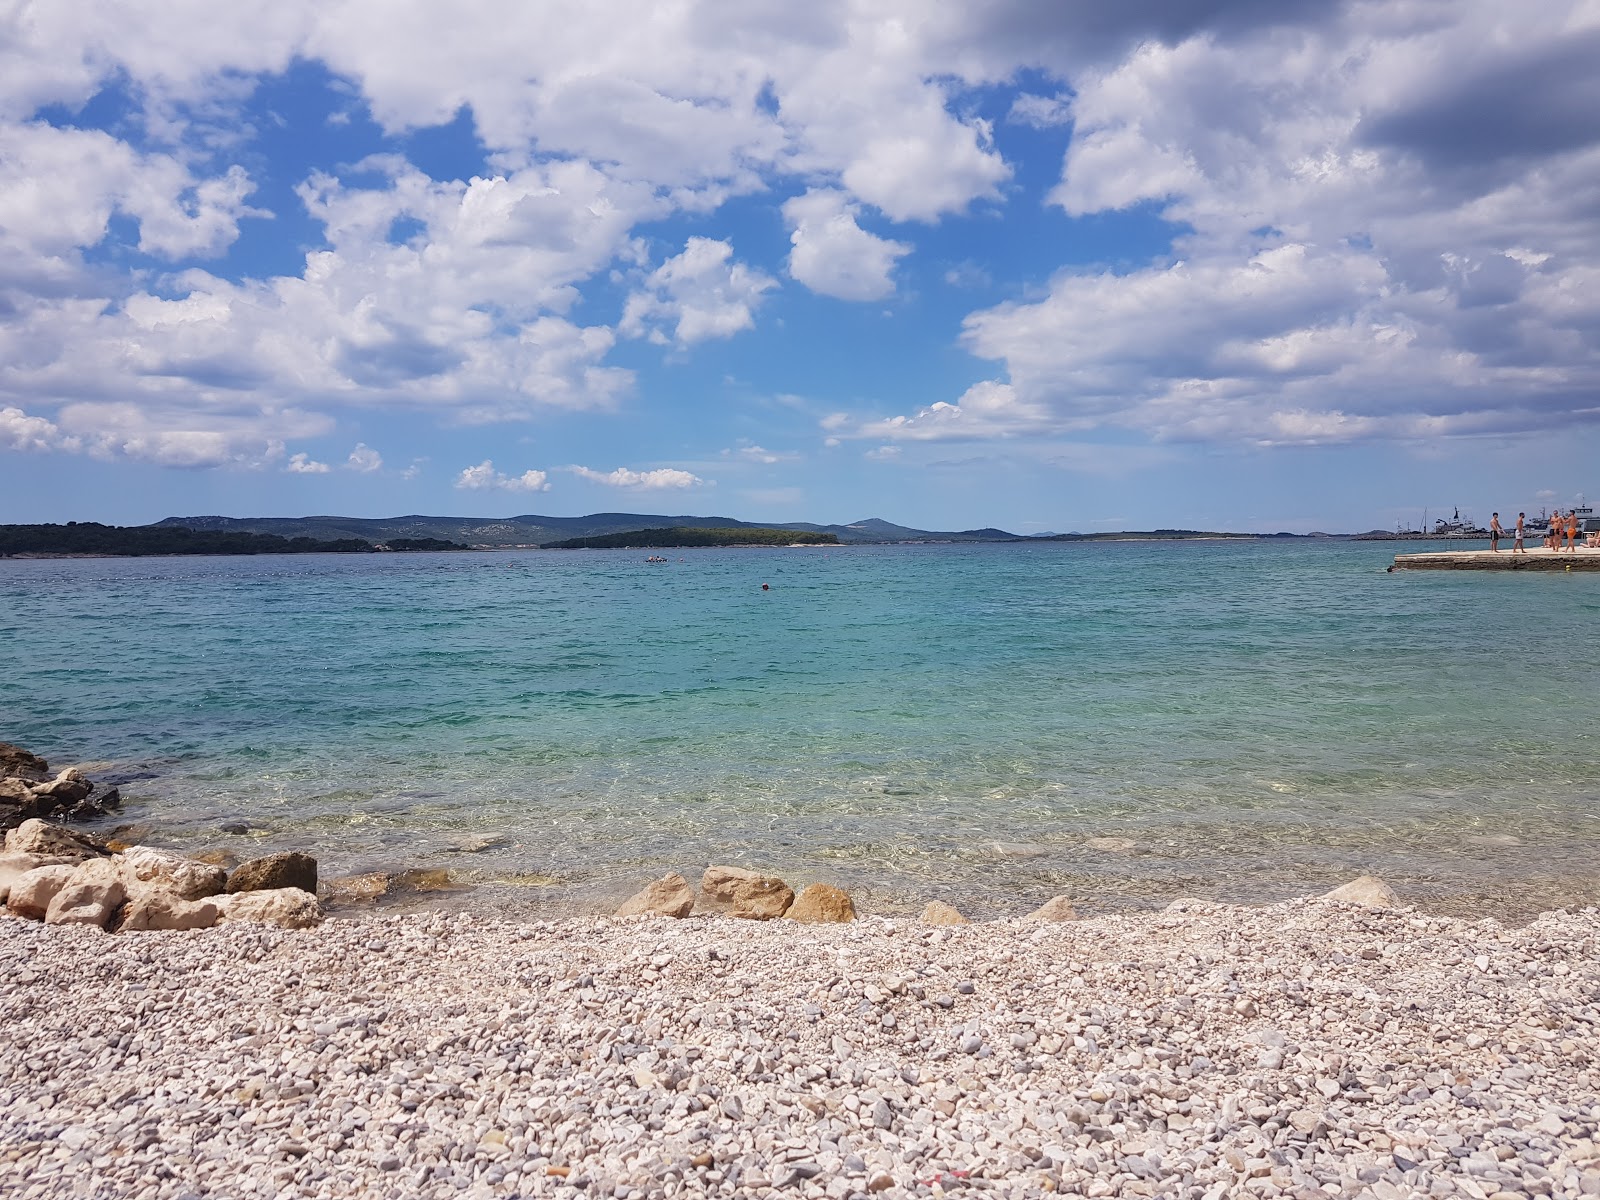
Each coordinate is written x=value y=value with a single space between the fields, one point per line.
x=1260 y=719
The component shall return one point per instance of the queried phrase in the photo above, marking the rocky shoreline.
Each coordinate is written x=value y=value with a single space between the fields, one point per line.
x=745 y=1041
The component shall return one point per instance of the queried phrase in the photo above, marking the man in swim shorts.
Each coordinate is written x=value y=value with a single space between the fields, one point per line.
x=1572 y=531
x=1494 y=533
x=1516 y=543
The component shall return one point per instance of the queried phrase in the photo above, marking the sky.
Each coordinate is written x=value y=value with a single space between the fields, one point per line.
x=1225 y=264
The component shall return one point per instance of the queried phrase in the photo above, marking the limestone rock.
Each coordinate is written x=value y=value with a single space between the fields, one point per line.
x=19 y=763
x=90 y=896
x=669 y=896
x=144 y=867
x=65 y=789
x=747 y=894
x=155 y=908
x=31 y=892
x=275 y=872
x=939 y=913
x=822 y=904
x=292 y=908
x=1057 y=908
x=358 y=887
x=1368 y=891
x=14 y=866
x=36 y=837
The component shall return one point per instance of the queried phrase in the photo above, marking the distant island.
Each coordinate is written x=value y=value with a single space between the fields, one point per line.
x=361 y=535
x=681 y=536
x=91 y=539
x=532 y=531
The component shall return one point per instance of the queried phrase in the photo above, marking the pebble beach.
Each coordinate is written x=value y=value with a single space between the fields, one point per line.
x=1306 y=1049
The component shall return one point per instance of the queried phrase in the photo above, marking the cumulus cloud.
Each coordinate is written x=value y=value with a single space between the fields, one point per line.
x=700 y=293
x=1372 y=240
x=662 y=478
x=304 y=464
x=484 y=477
x=832 y=254
x=364 y=459
x=1381 y=211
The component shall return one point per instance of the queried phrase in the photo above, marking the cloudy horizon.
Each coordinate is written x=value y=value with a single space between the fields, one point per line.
x=1235 y=264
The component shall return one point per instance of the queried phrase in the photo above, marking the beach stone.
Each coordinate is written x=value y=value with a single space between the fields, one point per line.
x=274 y=872
x=747 y=894
x=186 y=879
x=38 y=837
x=90 y=896
x=938 y=912
x=157 y=909
x=21 y=764
x=424 y=879
x=291 y=908
x=31 y=892
x=1057 y=908
x=822 y=904
x=357 y=888
x=65 y=789
x=669 y=896
x=1368 y=891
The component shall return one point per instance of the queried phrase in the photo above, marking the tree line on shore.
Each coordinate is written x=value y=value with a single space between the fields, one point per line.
x=93 y=538
x=680 y=536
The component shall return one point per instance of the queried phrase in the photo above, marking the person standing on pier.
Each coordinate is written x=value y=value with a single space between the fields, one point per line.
x=1494 y=533
x=1572 y=531
x=1516 y=542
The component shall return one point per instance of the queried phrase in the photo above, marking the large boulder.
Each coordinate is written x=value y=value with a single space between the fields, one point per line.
x=14 y=866
x=17 y=762
x=1057 y=908
x=748 y=894
x=91 y=896
x=51 y=841
x=154 y=908
x=669 y=896
x=822 y=904
x=65 y=790
x=31 y=892
x=939 y=913
x=1366 y=890
x=274 y=872
x=291 y=908
x=147 y=869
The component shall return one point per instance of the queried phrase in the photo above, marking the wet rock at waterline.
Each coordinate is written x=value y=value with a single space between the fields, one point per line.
x=288 y=870
x=822 y=904
x=938 y=912
x=736 y=892
x=669 y=896
x=1368 y=891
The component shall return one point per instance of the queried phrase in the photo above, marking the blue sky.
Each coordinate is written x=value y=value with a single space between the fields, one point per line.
x=1239 y=265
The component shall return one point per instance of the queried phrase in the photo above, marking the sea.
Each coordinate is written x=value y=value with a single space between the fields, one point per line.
x=1126 y=723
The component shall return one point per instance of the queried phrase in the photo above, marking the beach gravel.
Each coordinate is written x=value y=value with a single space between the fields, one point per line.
x=1308 y=1049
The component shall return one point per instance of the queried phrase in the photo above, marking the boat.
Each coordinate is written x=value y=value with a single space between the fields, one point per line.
x=1458 y=527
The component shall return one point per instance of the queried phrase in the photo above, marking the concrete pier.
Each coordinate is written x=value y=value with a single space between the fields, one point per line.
x=1581 y=558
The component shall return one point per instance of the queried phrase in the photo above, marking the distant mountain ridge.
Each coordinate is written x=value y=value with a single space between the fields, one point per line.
x=532 y=530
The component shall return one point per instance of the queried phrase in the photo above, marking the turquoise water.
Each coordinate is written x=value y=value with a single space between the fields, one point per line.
x=918 y=722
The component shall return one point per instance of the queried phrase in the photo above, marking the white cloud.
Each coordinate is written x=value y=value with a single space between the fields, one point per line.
x=484 y=477
x=700 y=293
x=832 y=254
x=1041 y=112
x=750 y=452
x=882 y=454
x=19 y=431
x=663 y=478
x=364 y=459
x=304 y=464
